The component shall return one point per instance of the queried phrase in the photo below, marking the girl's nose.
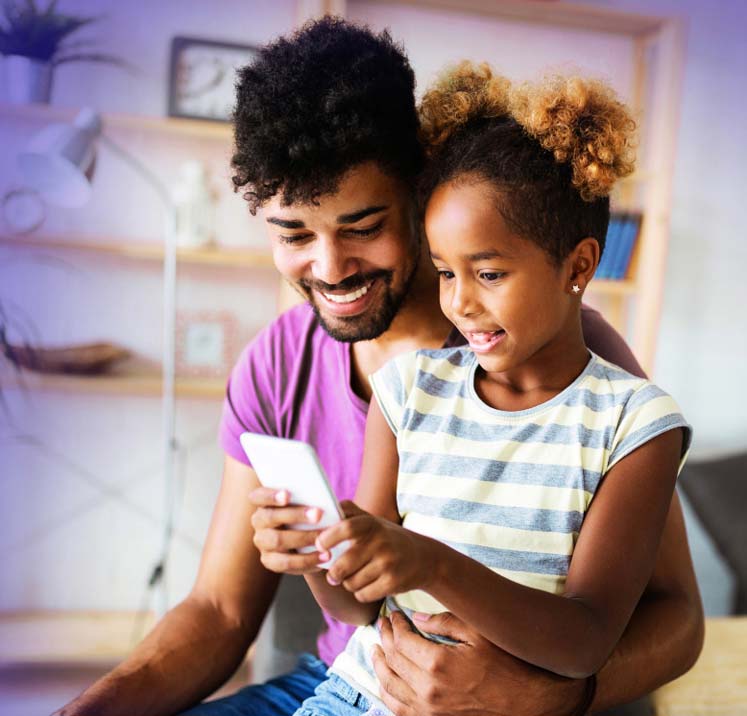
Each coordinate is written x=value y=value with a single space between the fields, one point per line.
x=463 y=301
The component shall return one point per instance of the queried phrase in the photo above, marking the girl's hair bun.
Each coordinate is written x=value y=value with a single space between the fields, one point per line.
x=583 y=124
x=464 y=92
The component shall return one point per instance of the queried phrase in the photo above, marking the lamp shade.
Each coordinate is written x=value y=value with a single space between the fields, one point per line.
x=58 y=161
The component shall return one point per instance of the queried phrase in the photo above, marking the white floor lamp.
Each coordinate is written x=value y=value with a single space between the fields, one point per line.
x=59 y=163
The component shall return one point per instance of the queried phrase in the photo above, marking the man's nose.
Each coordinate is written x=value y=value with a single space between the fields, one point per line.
x=331 y=262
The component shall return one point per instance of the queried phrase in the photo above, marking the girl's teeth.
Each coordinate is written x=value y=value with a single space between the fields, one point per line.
x=483 y=337
x=348 y=297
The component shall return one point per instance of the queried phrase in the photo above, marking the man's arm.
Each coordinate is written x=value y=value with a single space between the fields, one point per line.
x=662 y=640
x=199 y=643
x=665 y=634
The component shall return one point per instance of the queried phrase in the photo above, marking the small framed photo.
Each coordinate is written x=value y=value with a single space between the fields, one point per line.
x=205 y=343
x=202 y=77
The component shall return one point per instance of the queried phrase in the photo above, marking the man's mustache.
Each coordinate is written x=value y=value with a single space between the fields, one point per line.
x=351 y=283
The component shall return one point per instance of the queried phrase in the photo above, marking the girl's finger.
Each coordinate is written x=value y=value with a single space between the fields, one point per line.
x=374 y=591
x=366 y=575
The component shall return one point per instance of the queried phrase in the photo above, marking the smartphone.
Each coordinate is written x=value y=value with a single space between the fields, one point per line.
x=293 y=465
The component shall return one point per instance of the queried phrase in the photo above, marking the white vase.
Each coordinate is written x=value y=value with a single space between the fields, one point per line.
x=27 y=80
x=194 y=205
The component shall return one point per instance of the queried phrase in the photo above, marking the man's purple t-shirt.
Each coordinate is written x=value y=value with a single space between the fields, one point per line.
x=293 y=381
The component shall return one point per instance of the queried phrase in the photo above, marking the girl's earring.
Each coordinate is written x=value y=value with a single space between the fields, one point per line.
x=576 y=288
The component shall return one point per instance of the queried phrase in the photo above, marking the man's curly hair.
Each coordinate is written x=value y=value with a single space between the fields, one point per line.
x=315 y=104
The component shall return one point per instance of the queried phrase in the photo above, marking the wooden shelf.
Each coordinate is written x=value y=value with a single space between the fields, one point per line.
x=128 y=378
x=194 y=128
x=606 y=287
x=146 y=251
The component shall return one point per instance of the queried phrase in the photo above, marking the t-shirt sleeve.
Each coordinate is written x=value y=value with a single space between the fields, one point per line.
x=391 y=386
x=602 y=339
x=249 y=404
x=648 y=413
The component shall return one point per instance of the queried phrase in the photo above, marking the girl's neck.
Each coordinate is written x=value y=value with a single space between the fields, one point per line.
x=540 y=378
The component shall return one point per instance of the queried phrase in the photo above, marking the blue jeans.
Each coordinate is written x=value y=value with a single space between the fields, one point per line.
x=282 y=696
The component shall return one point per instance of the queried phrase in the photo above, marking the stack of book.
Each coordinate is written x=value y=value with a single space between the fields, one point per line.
x=622 y=235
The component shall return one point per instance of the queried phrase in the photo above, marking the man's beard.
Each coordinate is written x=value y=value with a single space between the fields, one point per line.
x=372 y=323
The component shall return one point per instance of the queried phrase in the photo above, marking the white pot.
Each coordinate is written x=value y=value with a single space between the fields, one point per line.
x=27 y=80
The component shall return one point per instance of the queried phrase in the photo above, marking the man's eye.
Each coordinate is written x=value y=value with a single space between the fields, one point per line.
x=294 y=238
x=367 y=231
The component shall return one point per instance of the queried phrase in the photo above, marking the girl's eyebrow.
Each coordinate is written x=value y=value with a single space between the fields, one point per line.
x=480 y=256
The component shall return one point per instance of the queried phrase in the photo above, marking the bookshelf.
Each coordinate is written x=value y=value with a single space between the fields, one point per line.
x=144 y=250
x=131 y=377
x=128 y=378
x=200 y=130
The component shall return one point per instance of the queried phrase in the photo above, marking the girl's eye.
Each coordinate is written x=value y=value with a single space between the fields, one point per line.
x=367 y=231
x=446 y=275
x=492 y=276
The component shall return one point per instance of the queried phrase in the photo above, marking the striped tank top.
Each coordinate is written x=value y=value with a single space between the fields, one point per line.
x=508 y=489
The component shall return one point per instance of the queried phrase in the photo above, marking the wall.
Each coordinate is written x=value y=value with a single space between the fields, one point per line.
x=81 y=512
x=702 y=346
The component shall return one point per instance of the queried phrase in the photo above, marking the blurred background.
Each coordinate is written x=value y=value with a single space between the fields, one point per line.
x=87 y=515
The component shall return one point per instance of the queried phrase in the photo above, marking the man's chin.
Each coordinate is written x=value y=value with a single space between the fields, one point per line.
x=351 y=329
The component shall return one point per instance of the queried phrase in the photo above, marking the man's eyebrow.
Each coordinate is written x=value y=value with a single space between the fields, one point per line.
x=286 y=223
x=358 y=215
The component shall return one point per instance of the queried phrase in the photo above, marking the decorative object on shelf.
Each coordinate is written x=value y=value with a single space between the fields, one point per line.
x=205 y=343
x=59 y=163
x=202 y=77
x=84 y=359
x=34 y=42
x=23 y=210
x=620 y=242
x=194 y=206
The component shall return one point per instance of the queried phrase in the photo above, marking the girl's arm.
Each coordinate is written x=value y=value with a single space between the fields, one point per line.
x=377 y=494
x=571 y=634
x=574 y=633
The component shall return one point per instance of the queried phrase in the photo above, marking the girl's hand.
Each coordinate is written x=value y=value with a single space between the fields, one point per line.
x=276 y=542
x=383 y=558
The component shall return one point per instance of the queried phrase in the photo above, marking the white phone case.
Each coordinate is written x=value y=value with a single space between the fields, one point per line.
x=293 y=465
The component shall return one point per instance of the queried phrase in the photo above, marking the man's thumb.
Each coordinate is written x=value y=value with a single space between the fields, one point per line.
x=443 y=624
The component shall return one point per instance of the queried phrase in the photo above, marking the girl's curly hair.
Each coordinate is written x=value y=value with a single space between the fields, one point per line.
x=553 y=149
x=315 y=104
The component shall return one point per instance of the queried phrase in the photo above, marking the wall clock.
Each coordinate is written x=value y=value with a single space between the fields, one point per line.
x=202 y=77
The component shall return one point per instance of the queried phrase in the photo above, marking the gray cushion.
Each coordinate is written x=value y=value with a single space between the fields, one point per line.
x=717 y=492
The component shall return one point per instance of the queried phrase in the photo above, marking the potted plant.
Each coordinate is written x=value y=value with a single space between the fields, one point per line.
x=34 y=41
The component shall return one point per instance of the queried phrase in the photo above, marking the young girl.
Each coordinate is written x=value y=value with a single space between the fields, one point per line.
x=519 y=482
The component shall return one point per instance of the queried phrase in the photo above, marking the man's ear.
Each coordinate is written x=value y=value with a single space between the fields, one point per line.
x=581 y=265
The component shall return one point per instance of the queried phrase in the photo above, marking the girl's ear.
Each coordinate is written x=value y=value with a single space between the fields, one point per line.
x=582 y=263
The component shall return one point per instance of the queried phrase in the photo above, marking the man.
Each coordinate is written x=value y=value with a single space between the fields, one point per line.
x=326 y=147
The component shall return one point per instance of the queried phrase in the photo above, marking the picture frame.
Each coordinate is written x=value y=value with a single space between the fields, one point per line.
x=202 y=75
x=205 y=343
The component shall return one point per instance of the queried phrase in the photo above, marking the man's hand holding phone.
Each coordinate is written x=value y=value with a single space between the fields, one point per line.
x=282 y=548
x=294 y=505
